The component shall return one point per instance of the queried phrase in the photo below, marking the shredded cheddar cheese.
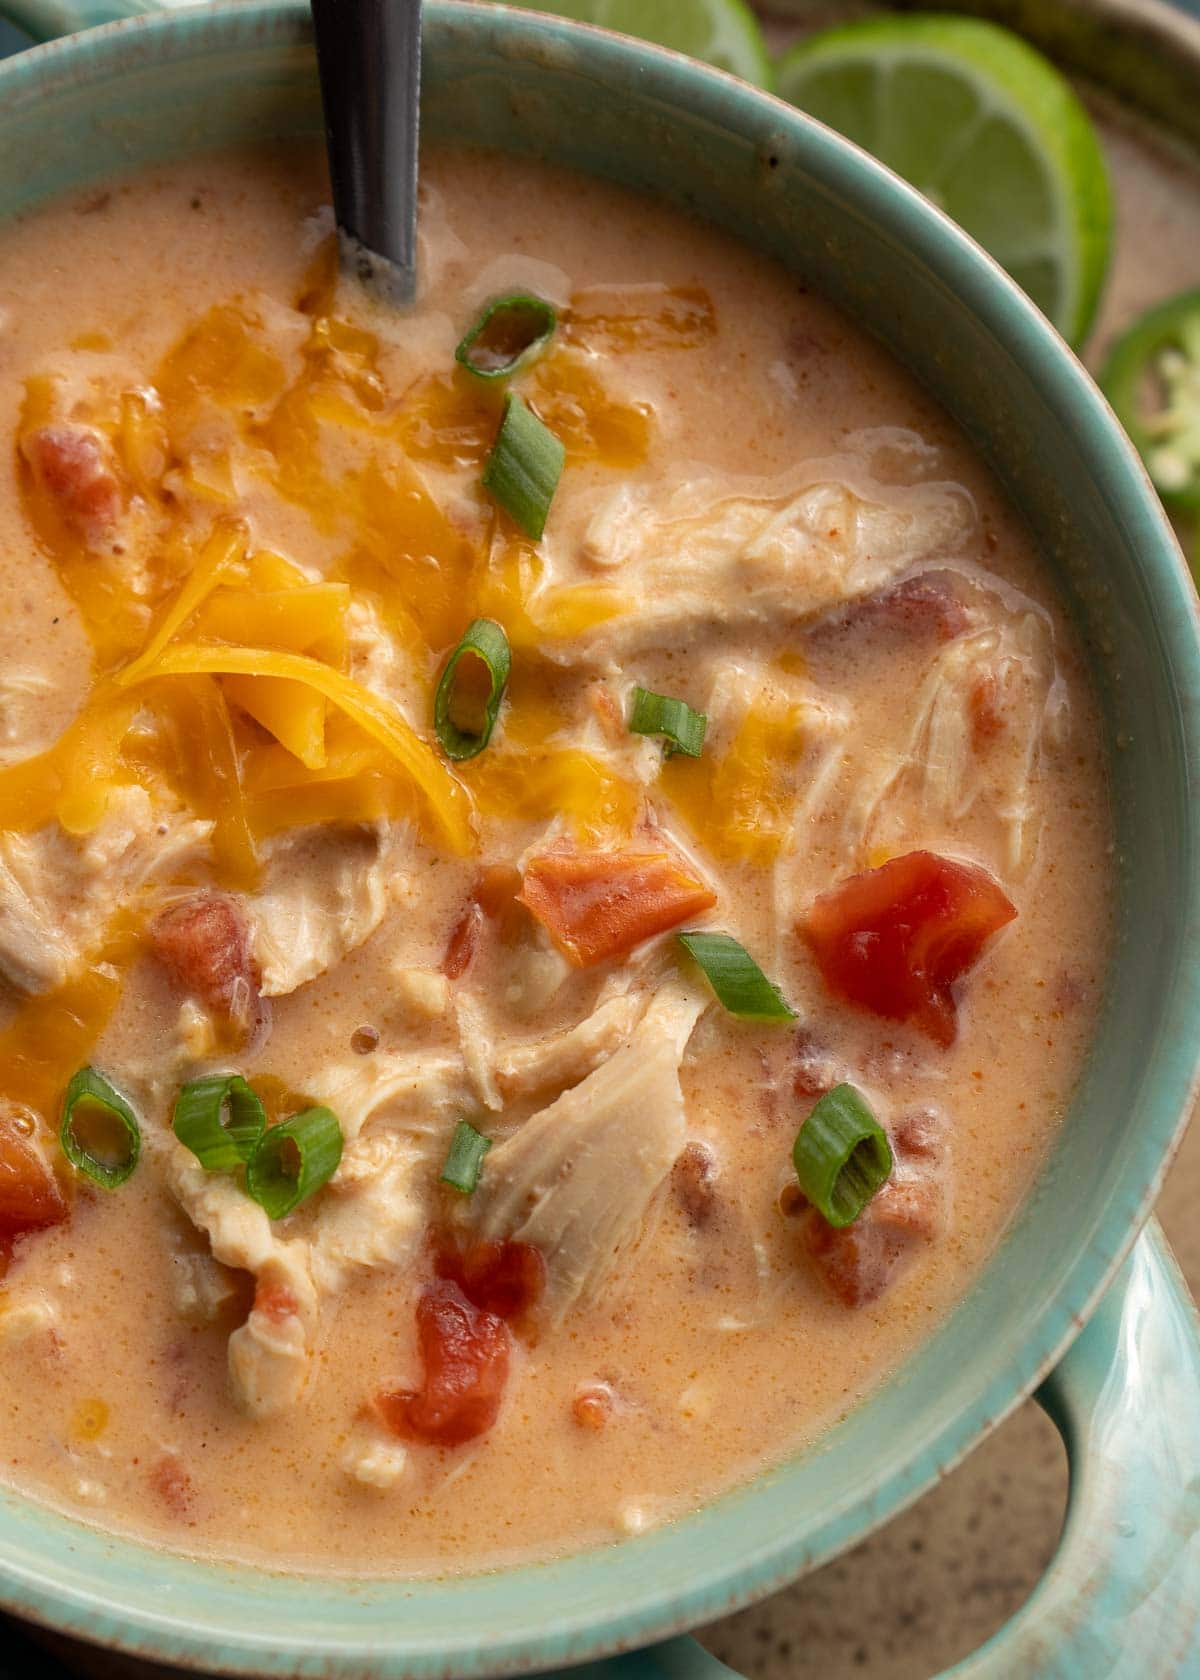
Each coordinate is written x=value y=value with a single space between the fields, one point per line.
x=225 y=548
x=72 y=779
x=538 y=784
x=58 y=1029
x=447 y=800
x=740 y=800
x=225 y=681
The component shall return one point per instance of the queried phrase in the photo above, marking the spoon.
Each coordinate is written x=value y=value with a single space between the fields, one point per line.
x=369 y=58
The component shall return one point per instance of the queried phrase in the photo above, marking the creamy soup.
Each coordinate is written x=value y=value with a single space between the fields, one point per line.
x=530 y=1265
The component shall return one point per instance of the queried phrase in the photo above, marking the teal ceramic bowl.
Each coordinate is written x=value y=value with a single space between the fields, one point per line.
x=80 y=109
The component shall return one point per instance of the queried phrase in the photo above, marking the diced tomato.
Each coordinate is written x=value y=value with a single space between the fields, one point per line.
x=925 y=603
x=987 y=719
x=919 y=1134
x=171 y=1482
x=694 y=1182
x=504 y=1278
x=857 y=1262
x=597 y=905
x=465 y=1352
x=275 y=1301
x=71 y=466
x=593 y=1406
x=30 y=1199
x=608 y=713
x=895 y=939
x=815 y=1069
x=204 y=943
x=463 y=942
x=494 y=900
x=497 y=894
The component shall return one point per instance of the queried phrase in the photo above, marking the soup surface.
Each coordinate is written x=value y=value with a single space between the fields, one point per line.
x=242 y=529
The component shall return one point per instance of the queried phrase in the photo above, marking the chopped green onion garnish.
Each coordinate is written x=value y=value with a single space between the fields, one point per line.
x=740 y=985
x=467 y=1149
x=842 y=1156
x=293 y=1161
x=659 y=714
x=506 y=336
x=221 y=1120
x=524 y=467
x=99 y=1132
x=485 y=641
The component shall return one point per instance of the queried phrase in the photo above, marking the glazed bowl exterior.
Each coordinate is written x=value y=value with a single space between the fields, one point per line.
x=81 y=109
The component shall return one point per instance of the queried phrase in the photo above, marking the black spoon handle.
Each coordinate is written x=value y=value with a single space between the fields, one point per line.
x=369 y=56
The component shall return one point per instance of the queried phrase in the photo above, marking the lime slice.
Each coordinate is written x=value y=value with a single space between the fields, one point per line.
x=721 y=32
x=983 y=126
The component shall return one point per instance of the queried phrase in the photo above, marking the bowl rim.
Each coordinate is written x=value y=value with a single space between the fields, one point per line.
x=718 y=1583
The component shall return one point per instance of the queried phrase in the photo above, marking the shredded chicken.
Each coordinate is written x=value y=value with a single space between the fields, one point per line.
x=269 y=1359
x=203 y=1289
x=475 y=1046
x=538 y=972
x=767 y=551
x=58 y=891
x=952 y=766
x=326 y=892
x=416 y=1089
x=32 y=1316
x=419 y=993
x=374 y=1461
x=391 y=1109
x=579 y=1178
x=19 y=692
x=562 y=1059
x=269 y=1354
x=370 y=1217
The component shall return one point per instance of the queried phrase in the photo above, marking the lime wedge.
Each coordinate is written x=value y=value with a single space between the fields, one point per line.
x=721 y=32
x=983 y=126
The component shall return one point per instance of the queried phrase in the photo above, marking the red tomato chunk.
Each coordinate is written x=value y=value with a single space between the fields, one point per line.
x=30 y=1199
x=463 y=942
x=275 y=1301
x=71 y=466
x=857 y=1262
x=894 y=940
x=506 y=1279
x=171 y=1482
x=494 y=900
x=465 y=1352
x=925 y=602
x=599 y=905
x=204 y=944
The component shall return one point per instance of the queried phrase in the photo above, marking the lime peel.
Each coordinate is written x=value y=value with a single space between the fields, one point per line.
x=724 y=33
x=986 y=127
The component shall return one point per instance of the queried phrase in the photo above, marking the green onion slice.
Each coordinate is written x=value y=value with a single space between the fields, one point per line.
x=293 y=1160
x=524 y=467
x=740 y=985
x=221 y=1120
x=659 y=714
x=509 y=333
x=465 y=1157
x=485 y=641
x=842 y=1156
x=99 y=1134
